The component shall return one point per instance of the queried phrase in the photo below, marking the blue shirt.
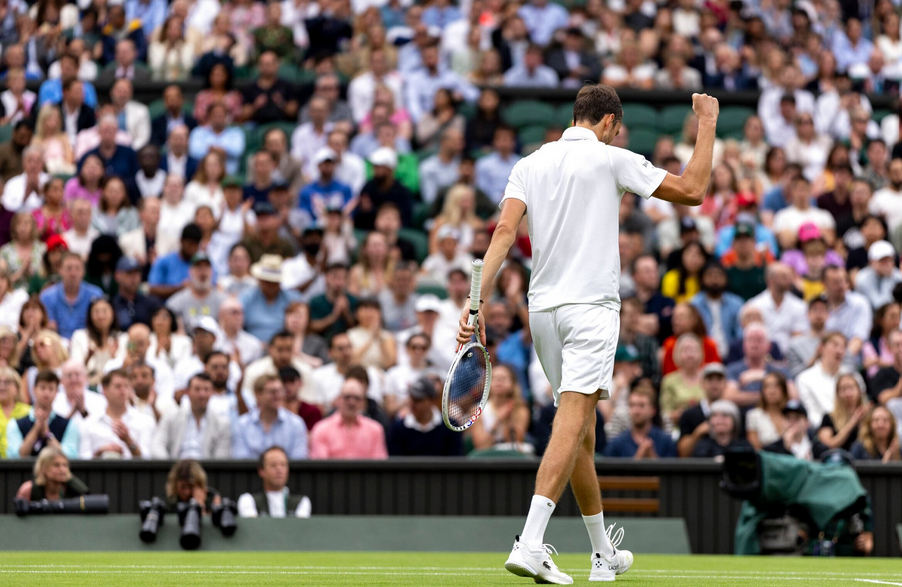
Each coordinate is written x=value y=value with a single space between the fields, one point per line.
x=541 y=77
x=441 y=17
x=763 y=236
x=249 y=439
x=123 y=163
x=69 y=317
x=847 y=55
x=625 y=447
x=14 y=438
x=52 y=91
x=264 y=319
x=169 y=270
x=422 y=86
x=230 y=140
x=334 y=195
x=543 y=22
x=492 y=173
x=151 y=14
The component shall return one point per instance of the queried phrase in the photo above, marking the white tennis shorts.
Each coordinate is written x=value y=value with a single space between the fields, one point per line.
x=576 y=345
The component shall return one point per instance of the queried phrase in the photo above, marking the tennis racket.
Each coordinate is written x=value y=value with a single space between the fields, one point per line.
x=467 y=386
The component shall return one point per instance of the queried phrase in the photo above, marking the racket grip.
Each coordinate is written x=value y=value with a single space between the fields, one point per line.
x=476 y=286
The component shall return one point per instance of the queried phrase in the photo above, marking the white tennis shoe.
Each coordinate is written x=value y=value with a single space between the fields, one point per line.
x=607 y=569
x=536 y=563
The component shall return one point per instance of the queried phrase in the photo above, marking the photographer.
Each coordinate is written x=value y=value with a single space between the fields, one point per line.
x=187 y=479
x=797 y=438
x=52 y=478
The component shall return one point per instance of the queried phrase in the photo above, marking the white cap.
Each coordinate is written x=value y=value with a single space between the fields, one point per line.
x=448 y=231
x=881 y=250
x=428 y=303
x=207 y=323
x=324 y=154
x=384 y=156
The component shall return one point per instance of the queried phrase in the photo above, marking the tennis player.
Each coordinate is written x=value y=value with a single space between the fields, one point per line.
x=570 y=192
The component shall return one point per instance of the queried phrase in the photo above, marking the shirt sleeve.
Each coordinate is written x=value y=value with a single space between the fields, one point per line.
x=13 y=440
x=69 y=441
x=299 y=450
x=634 y=173
x=516 y=186
x=246 y=506
x=305 y=508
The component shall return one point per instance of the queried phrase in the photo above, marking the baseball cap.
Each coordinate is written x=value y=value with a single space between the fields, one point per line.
x=428 y=303
x=199 y=257
x=324 y=154
x=881 y=250
x=795 y=406
x=57 y=241
x=626 y=353
x=745 y=229
x=714 y=369
x=384 y=156
x=687 y=224
x=279 y=184
x=207 y=324
x=448 y=231
x=809 y=232
x=232 y=181
x=264 y=209
x=289 y=374
x=422 y=388
x=745 y=199
x=127 y=264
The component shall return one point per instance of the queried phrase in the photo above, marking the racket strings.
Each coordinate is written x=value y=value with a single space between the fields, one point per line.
x=467 y=387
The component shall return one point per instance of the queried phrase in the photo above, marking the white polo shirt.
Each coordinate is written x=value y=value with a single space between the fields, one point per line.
x=785 y=321
x=572 y=190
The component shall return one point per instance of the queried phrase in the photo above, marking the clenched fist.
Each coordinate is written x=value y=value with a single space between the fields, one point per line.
x=705 y=107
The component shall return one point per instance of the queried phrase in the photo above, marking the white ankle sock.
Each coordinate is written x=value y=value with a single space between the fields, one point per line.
x=540 y=511
x=598 y=536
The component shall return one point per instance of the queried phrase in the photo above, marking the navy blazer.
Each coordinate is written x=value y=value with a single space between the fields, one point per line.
x=159 y=128
x=190 y=166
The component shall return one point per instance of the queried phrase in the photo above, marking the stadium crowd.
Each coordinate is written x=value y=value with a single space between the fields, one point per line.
x=282 y=258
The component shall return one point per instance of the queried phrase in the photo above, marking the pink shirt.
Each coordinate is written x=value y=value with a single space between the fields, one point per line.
x=331 y=439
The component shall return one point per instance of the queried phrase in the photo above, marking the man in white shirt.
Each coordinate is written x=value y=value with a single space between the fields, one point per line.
x=399 y=378
x=275 y=501
x=447 y=258
x=427 y=309
x=887 y=202
x=136 y=351
x=121 y=432
x=329 y=378
x=362 y=89
x=785 y=315
x=177 y=158
x=193 y=432
x=311 y=136
x=74 y=400
x=349 y=167
x=204 y=335
x=569 y=187
x=82 y=234
x=233 y=340
x=25 y=192
x=779 y=104
x=279 y=355
x=817 y=384
x=137 y=115
x=789 y=220
x=850 y=312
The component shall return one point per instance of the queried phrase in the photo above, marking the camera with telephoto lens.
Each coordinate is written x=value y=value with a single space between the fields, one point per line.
x=152 y=515
x=189 y=518
x=86 y=504
x=224 y=516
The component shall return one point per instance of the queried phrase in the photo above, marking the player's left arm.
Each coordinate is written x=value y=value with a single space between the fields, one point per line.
x=503 y=239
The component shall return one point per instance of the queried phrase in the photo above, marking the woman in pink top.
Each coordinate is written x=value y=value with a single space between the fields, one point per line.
x=53 y=140
x=218 y=89
x=87 y=184
x=53 y=217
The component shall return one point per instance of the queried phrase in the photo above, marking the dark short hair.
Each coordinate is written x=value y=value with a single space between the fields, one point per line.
x=46 y=376
x=358 y=373
x=333 y=337
x=262 y=460
x=280 y=334
x=108 y=378
x=594 y=102
x=215 y=354
x=192 y=233
x=202 y=376
x=335 y=266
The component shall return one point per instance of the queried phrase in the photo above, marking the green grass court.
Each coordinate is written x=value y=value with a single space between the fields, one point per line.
x=420 y=570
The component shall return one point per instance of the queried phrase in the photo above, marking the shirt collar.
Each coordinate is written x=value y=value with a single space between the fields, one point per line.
x=578 y=133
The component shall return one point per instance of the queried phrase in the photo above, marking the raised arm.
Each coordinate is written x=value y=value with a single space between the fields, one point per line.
x=690 y=187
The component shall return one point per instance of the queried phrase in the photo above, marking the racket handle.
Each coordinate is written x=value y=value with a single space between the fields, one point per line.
x=476 y=286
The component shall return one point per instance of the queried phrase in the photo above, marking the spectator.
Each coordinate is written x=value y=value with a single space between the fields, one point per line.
x=193 y=432
x=67 y=302
x=24 y=192
x=52 y=478
x=572 y=63
x=136 y=115
x=362 y=89
x=98 y=342
x=118 y=160
x=447 y=257
x=150 y=178
x=52 y=217
x=242 y=346
x=199 y=298
x=876 y=352
x=783 y=312
x=745 y=264
x=682 y=282
x=532 y=72
x=328 y=378
x=797 y=439
x=187 y=480
x=287 y=169
x=12 y=152
x=808 y=148
x=657 y=308
x=850 y=312
x=268 y=99
x=276 y=500
x=878 y=438
x=426 y=80
x=75 y=401
x=694 y=420
x=718 y=308
x=265 y=304
x=129 y=53
x=140 y=243
x=839 y=428
x=421 y=432
x=50 y=137
x=42 y=427
x=885 y=385
x=217 y=135
x=746 y=374
x=269 y=424
x=886 y=201
x=789 y=222
x=333 y=311
x=676 y=75
x=311 y=136
x=327 y=192
x=16 y=102
x=265 y=240
x=169 y=273
x=493 y=170
x=224 y=401
x=724 y=431
x=173 y=117
x=817 y=385
x=686 y=319
x=347 y=433
x=644 y=440
x=683 y=388
x=12 y=406
x=383 y=189
x=877 y=281
x=115 y=214
x=398 y=298
x=51 y=89
x=170 y=56
x=22 y=255
x=278 y=356
x=373 y=346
